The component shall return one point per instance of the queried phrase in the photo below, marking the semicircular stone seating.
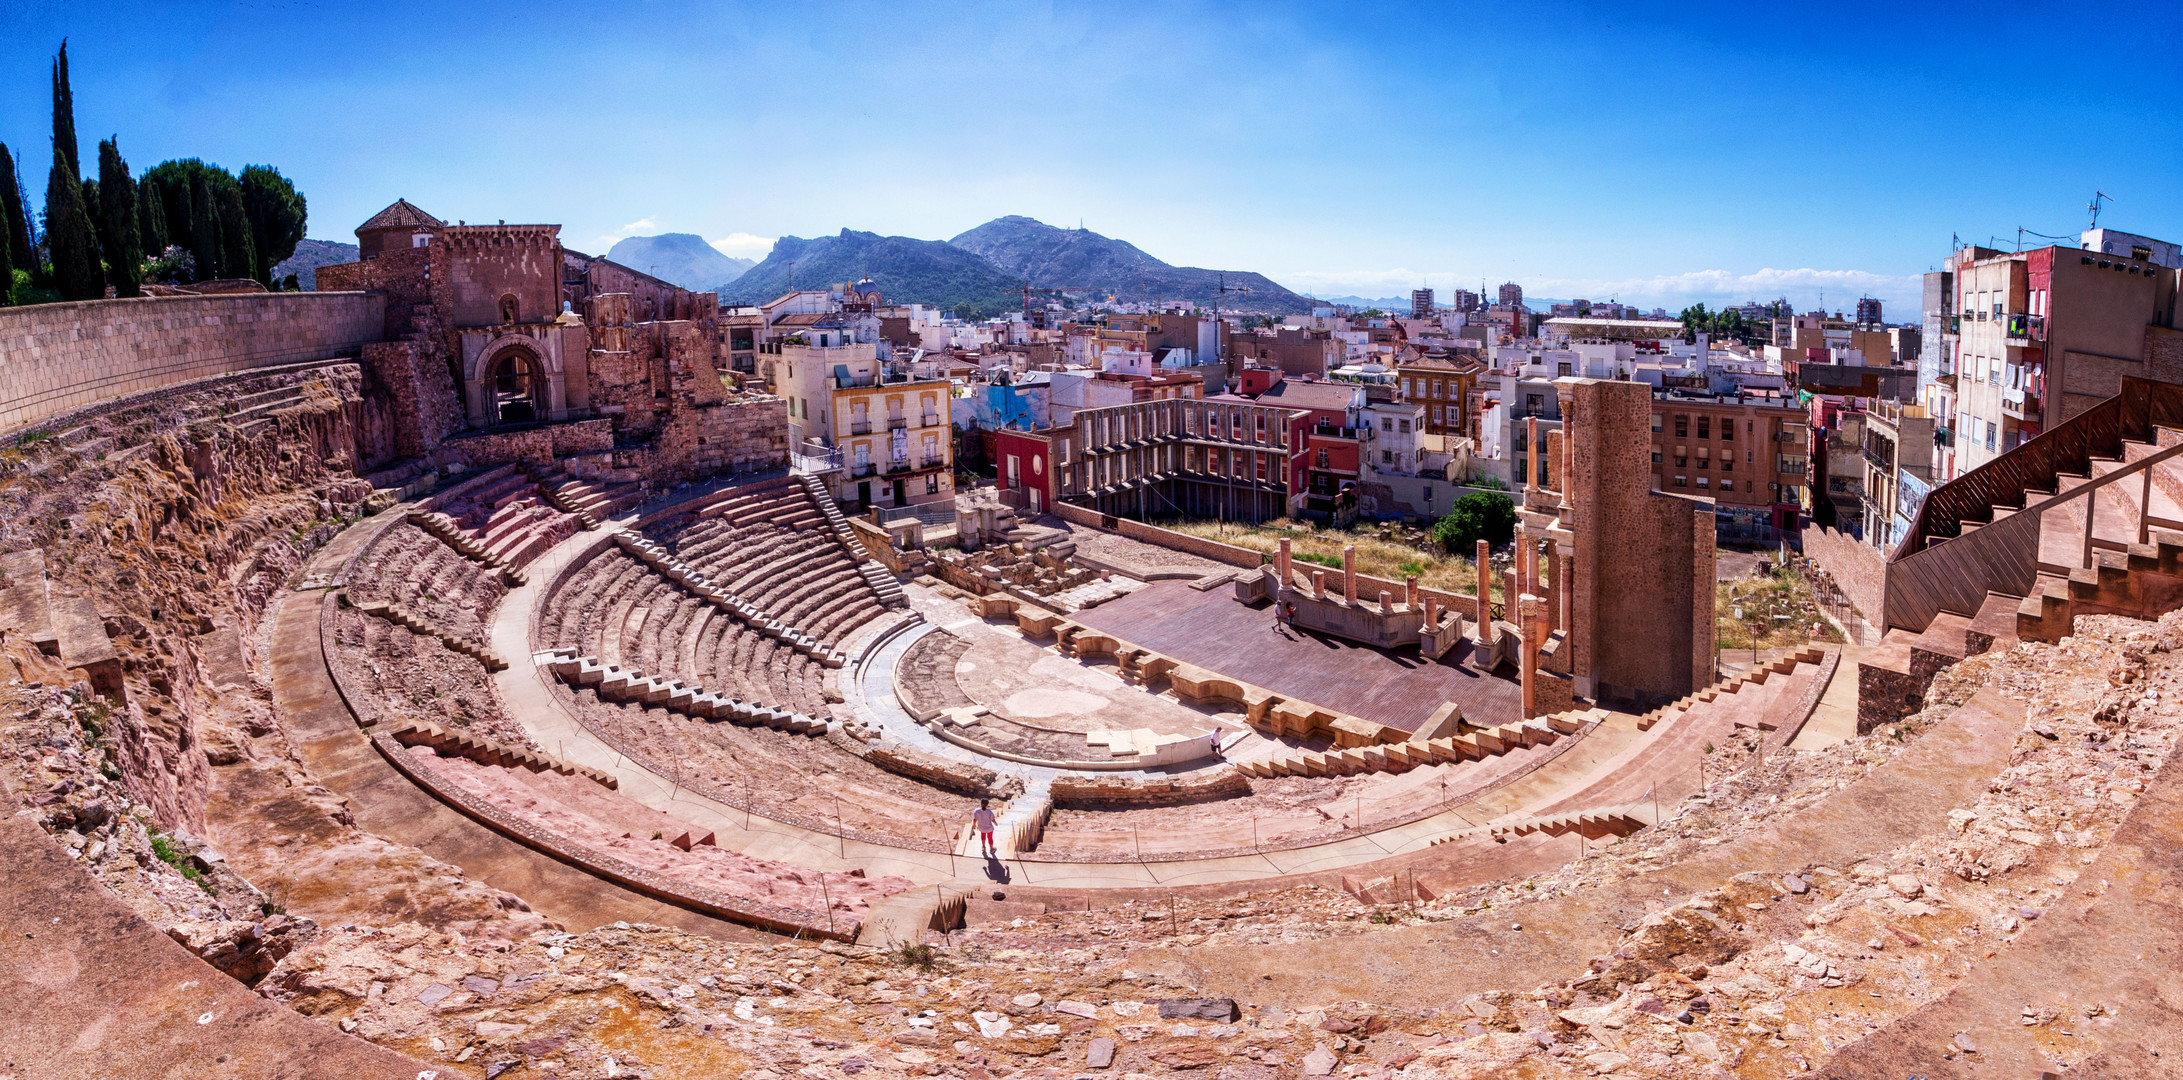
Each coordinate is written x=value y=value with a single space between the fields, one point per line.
x=722 y=671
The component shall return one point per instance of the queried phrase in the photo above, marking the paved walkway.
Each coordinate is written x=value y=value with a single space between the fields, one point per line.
x=527 y=695
x=1835 y=718
x=323 y=730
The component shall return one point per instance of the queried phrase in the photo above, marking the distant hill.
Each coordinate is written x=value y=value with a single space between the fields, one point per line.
x=309 y=256
x=682 y=258
x=908 y=271
x=1031 y=249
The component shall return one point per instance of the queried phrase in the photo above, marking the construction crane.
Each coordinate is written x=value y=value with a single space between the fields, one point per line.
x=1224 y=290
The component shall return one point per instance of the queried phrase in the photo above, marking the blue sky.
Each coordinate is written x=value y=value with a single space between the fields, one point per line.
x=1653 y=153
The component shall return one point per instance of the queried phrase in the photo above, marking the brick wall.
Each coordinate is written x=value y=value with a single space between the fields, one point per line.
x=58 y=357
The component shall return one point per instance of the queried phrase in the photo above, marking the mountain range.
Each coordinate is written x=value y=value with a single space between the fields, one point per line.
x=981 y=273
x=682 y=258
x=309 y=256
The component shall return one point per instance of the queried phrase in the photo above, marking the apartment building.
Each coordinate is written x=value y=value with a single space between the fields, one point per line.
x=1443 y=388
x=2034 y=337
x=1898 y=469
x=890 y=420
x=1748 y=453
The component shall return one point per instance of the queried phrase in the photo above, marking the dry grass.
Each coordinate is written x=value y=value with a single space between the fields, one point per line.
x=1312 y=544
x=1762 y=597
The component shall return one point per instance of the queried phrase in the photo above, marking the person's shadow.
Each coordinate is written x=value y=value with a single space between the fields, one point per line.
x=995 y=869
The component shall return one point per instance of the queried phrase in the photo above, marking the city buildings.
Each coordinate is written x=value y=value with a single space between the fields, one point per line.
x=891 y=419
x=1421 y=303
x=2029 y=338
x=1746 y=452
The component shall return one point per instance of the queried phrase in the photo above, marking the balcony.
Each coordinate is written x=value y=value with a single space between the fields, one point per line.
x=1944 y=436
x=2024 y=331
x=862 y=468
x=898 y=423
x=2022 y=405
x=860 y=427
x=931 y=420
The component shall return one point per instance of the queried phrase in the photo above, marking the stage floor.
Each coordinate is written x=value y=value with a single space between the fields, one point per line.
x=1211 y=630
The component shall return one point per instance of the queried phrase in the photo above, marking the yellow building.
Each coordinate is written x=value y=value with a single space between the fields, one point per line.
x=891 y=421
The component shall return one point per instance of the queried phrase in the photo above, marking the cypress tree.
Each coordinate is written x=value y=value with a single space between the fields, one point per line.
x=240 y=254
x=68 y=235
x=11 y=202
x=117 y=198
x=277 y=216
x=7 y=265
x=151 y=219
x=64 y=113
x=204 y=229
x=91 y=205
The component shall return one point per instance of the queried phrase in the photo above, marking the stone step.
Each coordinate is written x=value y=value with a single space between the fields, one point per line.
x=616 y=683
x=417 y=623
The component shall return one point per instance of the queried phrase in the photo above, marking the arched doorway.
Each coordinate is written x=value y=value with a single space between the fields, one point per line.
x=517 y=388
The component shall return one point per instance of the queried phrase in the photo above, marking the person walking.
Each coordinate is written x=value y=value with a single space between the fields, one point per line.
x=982 y=820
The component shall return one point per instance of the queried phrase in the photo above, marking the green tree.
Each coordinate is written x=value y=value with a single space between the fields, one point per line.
x=277 y=216
x=76 y=271
x=91 y=205
x=204 y=228
x=7 y=265
x=239 y=257
x=1480 y=515
x=117 y=198
x=151 y=219
x=64 y=113
x=1696 y=320
x=20 y=242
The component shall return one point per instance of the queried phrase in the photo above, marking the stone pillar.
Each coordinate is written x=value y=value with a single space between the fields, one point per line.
x=1529 y=623
x=1281 y=563
x=1318 y=584
x=1485 y=594
x=1519 y=563
x=1511 y=588
x=1387 y=602
x=1349 y=573
x=1432 y=612
x=1409 y=591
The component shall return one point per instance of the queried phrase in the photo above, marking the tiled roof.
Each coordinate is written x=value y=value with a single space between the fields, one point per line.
x=401 y=215
x=1297 y=394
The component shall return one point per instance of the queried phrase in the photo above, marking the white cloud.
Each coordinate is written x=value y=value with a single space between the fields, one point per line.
x=643 y=225
x=742 y=245
x=1804 y=287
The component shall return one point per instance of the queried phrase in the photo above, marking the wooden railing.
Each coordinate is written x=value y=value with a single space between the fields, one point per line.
x=1955 y=575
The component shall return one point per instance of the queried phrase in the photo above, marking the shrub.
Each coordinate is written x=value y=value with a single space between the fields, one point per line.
x=1480 y=515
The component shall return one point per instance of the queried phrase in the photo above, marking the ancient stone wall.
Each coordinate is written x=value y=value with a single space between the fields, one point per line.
x=1856 y=567
x=58 y=357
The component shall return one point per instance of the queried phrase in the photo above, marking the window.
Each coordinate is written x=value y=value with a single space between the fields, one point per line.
x=1682 y=427
x=1705 y=427
x=1387 y=457
x=1703 y=482
x=1387 y=423
x=1656 y=423
x=1403 y=426
x=932 y=483
x=1728 y=464
x=1747 y=487
x=1656 y=457
x=1682 y=461
x=1728 y=430
x=1534 y=404
x=1682 y=481
x=1562 y=368
x=1437 y=413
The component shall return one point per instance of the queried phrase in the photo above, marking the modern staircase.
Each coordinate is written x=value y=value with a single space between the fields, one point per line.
x=462 y=744
x=616 y=683
x=445 y=530
x=2084 y=518
x=1404 y=756
x=1593 y=823
x=889 y=590
x=415 y=623
x=663 y=562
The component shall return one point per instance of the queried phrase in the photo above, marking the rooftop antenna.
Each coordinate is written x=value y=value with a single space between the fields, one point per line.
x=2094 y=206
